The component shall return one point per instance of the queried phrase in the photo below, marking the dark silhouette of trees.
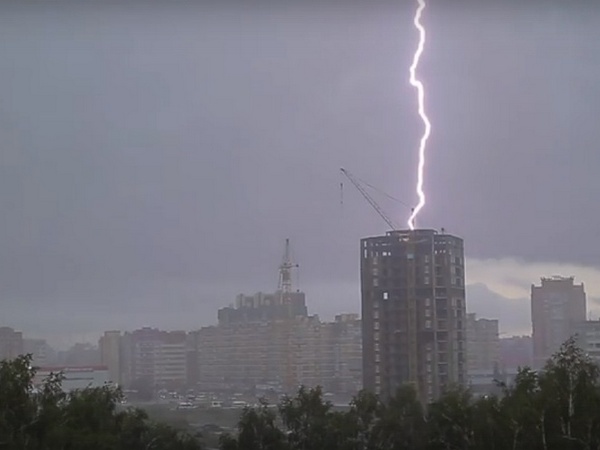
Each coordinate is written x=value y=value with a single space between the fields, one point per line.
x=49 y=419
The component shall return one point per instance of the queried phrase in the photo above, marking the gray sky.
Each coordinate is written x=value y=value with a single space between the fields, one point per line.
x=155 y=158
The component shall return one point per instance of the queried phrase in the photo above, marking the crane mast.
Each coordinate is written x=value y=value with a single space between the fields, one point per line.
x=285 y=270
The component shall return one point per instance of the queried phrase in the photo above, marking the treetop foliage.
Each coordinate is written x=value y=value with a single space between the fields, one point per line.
x=557 y=408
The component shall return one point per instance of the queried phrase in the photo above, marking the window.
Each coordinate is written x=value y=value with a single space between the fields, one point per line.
x=426 y=280
x=376 y=314
x=385 y=295
x=427 y=302
x=428 y=324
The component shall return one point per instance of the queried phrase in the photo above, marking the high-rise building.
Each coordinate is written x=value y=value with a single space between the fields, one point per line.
x=587 y=335
x=557 y=306
x=413 y=312
x=346 y=342
x=11 y=343
x=155 y=358
x=516 y=352
x=483 y=354
x=483 y=344
x=110 y=354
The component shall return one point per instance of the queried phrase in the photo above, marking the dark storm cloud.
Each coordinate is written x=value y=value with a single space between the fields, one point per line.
x=176 y=147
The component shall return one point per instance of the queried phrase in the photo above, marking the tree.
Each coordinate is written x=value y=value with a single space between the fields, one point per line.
x=257 y=430
x=48 y=418
x=400 y=422
x=569 y=383
x=306 y=418
x=450 y=420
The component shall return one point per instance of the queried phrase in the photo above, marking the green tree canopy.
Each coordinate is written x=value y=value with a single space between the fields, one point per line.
x=47 y=418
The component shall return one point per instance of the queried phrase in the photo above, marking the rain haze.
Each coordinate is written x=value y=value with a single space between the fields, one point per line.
x=155 y=158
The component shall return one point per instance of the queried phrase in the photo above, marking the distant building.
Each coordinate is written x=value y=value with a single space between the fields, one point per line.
x=281 y=353
x=264 y=307
x=269 y=340
x=346 y=341
x=80 y=354
x=42 y=354
x=413 y=312
x=515 y=352
x=587 y=334
x=170 y=360
x=557 y=306
x=75 y=377
x=155 y=358
x=483 y=354
x=483 y=344
x=11 y=343
x=110 y=354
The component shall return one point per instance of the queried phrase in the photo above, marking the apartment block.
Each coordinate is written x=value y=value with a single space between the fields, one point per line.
x=11 y=343
x=279 y=345
x=110 y=354
x=558 y=305
x=483 y=344
x=413 y=312
x=155 y=358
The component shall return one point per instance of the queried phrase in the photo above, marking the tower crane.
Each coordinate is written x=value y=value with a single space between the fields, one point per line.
x=285 y=270
x=368 y=198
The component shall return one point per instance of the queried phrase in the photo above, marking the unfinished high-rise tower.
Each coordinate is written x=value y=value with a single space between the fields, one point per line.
x=413 y=312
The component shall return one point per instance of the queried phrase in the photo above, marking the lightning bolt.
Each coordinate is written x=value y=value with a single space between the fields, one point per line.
x=414 y=81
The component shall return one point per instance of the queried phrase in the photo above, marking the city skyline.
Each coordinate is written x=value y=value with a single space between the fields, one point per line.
x=151 y=168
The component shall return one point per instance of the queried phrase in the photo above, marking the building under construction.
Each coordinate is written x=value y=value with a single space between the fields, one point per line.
x=413 y=312
x=271 y=340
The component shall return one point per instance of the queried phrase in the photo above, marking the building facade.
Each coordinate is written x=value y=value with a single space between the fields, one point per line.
x=516 y=352
x=557 y=306
x=11 y=343
x=110 y=354
x=587 y=335
x=413 y=312
x=483 y=344
x=483 y=354
x=154 y=358
x=278 y=346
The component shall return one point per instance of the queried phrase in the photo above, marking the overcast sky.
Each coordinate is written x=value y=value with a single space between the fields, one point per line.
x=154 y=158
